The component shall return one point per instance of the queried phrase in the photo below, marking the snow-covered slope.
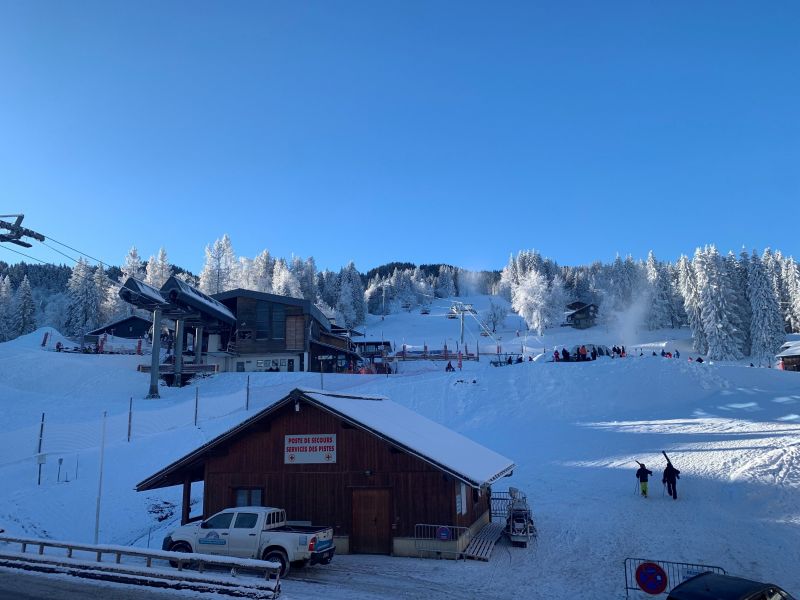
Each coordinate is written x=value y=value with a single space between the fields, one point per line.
x=574 y=431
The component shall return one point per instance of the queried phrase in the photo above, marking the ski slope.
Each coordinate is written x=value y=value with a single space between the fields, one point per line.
x=573 y=429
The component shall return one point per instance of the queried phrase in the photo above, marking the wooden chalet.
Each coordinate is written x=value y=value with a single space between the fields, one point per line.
x=278 y=333
x=581 y=315
x=370 y=468
x=133 y=327
x=789 y=357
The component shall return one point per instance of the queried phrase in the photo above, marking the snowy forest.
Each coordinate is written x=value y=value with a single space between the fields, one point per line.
x=736 y=306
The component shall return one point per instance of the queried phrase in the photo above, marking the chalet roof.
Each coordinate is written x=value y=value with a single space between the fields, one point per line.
x=443 y=448
x=307 y=306
x=793 y=349
x=118 y=322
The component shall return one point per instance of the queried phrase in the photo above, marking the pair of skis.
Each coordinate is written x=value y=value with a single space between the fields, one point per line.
x=669 y=462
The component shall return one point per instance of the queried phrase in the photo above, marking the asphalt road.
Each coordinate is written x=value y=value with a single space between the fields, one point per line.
x=22 y=585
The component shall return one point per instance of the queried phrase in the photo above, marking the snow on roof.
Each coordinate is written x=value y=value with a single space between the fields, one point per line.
x=460 y=455
x=138 y=292
x=793 y=350
x=198 y=299
x=445 y=449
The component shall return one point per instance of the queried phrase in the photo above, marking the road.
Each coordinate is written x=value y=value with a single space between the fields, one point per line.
x=21 y=585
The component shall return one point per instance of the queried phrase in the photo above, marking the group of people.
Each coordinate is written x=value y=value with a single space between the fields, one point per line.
x=618 y=351
x=581 y=354
x=669 y=478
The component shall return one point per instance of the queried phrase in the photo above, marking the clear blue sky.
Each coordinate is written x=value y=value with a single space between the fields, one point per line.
x=374 y=131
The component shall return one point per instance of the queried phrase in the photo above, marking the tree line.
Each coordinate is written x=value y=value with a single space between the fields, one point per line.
x=735 y=306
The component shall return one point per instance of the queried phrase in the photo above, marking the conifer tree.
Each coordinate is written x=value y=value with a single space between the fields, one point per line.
x=659 y=312
x=6 y=309
x=284 y=283
x=83 y=310
x=24 y=309
x=691 y=300
x=261 y=274
x=721 y=333
x=766 y=327
x=220 y=272
x=158 y=270
x=792 y=279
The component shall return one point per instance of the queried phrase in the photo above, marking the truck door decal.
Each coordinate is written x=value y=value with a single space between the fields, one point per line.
x=213 y=539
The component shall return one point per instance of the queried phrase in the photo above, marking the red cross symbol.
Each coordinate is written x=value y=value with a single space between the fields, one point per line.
x=291 y=457
x=328 y=457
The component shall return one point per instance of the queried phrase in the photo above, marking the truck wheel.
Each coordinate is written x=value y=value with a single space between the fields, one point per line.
x=278 y=556
x=179 y=547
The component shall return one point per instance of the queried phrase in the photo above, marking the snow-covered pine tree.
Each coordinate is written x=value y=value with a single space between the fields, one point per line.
x=83 y=310
x=6 y=308
x=529 y=300
x=158 y=269
x=114 y=307
x=220 y=272
x=724 y=342
x=328 y=286
x=766 y=327
x=691 y=301
x=133 y=266
x=101 y=284
x=24 y=309
x=659 y=313
x=445 y=282
x=261 y=273
x=306 y=274
x=735 y=290
x=284 y=283
x=357 y=292
x=791 y=276
x=344 y=306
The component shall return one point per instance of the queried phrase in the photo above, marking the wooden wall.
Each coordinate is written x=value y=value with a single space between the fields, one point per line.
x=321 y=493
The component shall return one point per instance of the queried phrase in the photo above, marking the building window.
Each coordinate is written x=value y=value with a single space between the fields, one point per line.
x=262 y=320
x=248 y=497
x=278 y=322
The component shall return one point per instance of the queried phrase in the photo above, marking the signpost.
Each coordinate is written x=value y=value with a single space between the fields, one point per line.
x=651 y=578
x=317 y=448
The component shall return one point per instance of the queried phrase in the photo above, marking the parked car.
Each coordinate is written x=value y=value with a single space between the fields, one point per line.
x=255 y=532
x=713 y=586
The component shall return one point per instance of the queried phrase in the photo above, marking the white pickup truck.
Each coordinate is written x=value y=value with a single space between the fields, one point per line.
x=258 y=532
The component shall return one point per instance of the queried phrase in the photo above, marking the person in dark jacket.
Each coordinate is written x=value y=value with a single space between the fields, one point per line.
x=671 y=475
x=642 y=474
x=565 y=354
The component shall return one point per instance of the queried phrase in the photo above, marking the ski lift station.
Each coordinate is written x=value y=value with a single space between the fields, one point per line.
x=239 y=330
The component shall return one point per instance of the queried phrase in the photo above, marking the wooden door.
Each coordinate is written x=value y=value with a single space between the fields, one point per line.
x=372 y=527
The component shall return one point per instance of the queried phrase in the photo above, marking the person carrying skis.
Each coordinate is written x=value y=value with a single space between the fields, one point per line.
x=642 y=474
x=671 y=475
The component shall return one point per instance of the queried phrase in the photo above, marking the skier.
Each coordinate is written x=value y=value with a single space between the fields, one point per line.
x=565 y=354
x=556 y=355
x=676 y=354
x=642 y=474
x=671 y=474
x=449 y=368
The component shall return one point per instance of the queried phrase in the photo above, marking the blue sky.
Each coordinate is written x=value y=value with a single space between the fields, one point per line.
x=453 y=132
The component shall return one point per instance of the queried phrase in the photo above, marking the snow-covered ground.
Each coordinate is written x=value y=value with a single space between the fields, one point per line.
x=573 y=429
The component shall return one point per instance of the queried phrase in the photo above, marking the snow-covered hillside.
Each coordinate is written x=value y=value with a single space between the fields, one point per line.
x=573 y=429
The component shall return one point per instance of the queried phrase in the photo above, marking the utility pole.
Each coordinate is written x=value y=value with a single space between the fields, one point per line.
x=39 y=457
x=100 y=483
